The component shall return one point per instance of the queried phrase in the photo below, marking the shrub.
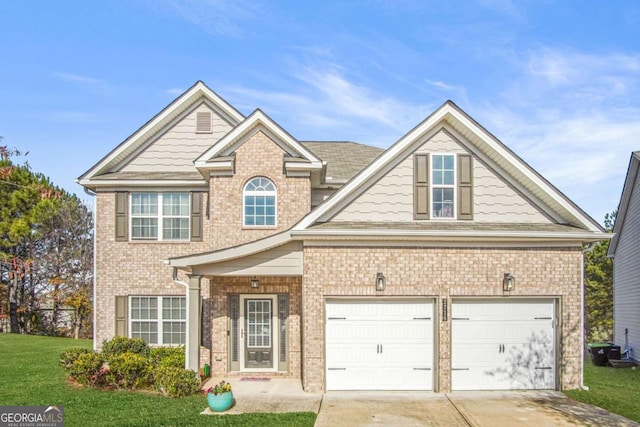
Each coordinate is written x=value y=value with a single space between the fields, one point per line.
x=67 y=357
x=177 y=382
x=168 y=357
x=88 y=369
x=120 y=345
x=129 y=370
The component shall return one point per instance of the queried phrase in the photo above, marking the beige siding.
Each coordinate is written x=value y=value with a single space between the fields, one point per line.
x=440 y=273
x=626 y=273
x=285 y=260
x=391 y=198
x=179 y=146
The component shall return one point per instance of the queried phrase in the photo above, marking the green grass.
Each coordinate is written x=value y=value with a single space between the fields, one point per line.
x=30 y=375
x=616 y=390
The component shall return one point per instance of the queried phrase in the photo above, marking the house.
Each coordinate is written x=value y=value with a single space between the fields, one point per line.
x=442 y=263
x=625 y=251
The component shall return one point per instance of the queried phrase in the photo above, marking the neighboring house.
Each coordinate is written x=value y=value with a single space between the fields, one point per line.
x=442 y=263
x=625 y=251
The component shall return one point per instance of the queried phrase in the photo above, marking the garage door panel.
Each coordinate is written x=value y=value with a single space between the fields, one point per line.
x=379 y=345
x=503 y=345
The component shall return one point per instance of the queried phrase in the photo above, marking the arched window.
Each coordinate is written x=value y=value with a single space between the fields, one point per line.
x=259 y=199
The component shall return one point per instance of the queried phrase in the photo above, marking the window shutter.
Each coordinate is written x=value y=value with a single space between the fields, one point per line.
x=196 y=216
x=233 y=308
x=465 y=187
x=121 y=316
x=283 y=315
x=122 y=212
x=203 y=122
x=421 y=186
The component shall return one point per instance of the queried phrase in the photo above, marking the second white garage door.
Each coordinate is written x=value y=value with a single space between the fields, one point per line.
x=379 y=344
x=502 y=345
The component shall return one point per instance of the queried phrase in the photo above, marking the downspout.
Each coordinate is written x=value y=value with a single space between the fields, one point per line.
x=93 y=290
x=186 y=342
x=586 y=250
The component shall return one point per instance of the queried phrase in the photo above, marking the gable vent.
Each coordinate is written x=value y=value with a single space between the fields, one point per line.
x=203 y=122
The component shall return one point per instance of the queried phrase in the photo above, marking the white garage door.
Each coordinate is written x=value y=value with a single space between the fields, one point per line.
x=379 y=344
x=503 y=345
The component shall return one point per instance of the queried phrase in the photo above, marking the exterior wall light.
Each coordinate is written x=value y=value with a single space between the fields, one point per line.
x=255 y=283
x=508 y=282
x=381 y=282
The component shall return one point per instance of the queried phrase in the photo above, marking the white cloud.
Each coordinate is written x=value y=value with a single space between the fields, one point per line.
x=66 y=116
x=76 y=78
x=174 y=91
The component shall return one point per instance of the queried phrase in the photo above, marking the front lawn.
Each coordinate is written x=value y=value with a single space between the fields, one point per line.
x=614 y=389
x=30 y=375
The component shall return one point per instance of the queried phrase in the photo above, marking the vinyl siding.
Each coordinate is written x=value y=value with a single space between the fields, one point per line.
x=626 y=273
x=391 y=198
x=180 y=145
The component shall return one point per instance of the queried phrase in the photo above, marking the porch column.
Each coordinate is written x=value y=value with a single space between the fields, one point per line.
x=192 y=359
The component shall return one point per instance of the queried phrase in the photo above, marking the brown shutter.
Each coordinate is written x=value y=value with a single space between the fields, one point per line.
x=122 y=211
x=196 y=216
x=121 y=316
x=465 y=187
x=421 y=186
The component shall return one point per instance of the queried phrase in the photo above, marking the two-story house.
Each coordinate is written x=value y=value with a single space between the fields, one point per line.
x=442 y=263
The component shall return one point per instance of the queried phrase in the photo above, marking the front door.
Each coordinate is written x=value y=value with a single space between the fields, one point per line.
x=258 y=334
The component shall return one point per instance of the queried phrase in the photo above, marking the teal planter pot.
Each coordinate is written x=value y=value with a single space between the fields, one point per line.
x=220 y=402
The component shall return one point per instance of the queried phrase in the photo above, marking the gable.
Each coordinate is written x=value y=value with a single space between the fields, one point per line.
x=487 y=150
x=627 y=224
x=391 y=198
x=177 y=147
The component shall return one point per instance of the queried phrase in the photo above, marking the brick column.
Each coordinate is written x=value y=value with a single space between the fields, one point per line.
x=192 y=359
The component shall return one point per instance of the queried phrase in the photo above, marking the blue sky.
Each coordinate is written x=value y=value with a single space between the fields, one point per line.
x=556 y=81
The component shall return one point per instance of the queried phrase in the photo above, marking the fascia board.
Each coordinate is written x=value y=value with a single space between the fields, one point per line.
x=138 y=183
x=231 y=253
x=625 y=198
x=256 y=118
x=197 y=90
x=450 y=234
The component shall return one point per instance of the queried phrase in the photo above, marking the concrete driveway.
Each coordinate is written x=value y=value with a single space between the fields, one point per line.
x=494 y=409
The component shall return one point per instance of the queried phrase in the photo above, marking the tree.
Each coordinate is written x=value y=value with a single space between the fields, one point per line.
x=599 y=288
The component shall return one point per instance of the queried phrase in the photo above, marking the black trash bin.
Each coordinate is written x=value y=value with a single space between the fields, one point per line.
x=614 y=353
x=599 y=353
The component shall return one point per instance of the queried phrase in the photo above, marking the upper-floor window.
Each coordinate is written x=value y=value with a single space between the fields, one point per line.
x=259 y=200
x=159 y=320
x=160 y=216
x=443 y=185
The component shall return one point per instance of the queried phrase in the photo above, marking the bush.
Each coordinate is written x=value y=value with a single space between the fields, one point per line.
x=129 y=370
x=69 y=356
x=121 y=345
x=87 y=369
x=177 y=382
x=172 y=357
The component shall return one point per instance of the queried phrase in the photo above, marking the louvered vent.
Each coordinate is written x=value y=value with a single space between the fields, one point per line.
x=203 y=122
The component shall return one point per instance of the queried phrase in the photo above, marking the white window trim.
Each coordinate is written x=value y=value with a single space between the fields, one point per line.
x=260 y=193
x=433 y=186
x=159 y=216
x=159 y=320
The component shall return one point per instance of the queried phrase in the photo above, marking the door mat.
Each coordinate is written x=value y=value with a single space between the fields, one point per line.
x=255 y=379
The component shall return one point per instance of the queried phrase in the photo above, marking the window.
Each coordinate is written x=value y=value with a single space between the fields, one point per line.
x=443 y=186
x=159 y=320
x=259 y=203
x=160 y=216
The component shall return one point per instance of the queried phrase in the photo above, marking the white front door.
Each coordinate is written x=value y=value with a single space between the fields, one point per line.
x=258 y=333
x=379 y=344
x=503 y=345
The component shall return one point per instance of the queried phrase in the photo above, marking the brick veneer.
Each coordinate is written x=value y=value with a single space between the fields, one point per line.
x=440 y=273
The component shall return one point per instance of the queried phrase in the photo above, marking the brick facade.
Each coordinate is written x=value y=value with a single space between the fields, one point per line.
x=440 y=273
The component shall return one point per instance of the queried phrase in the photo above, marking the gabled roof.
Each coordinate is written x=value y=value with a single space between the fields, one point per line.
x=481 y=143
x=344 y=159
x=623 y=206
x=226 y=146
x=195 y=95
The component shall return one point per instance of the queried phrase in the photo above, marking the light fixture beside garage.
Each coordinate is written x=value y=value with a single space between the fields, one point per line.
x=508 y=282
x=255 y=283
x=381 y=282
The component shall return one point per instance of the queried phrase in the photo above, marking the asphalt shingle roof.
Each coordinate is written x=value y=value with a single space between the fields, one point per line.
x=344 y=159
